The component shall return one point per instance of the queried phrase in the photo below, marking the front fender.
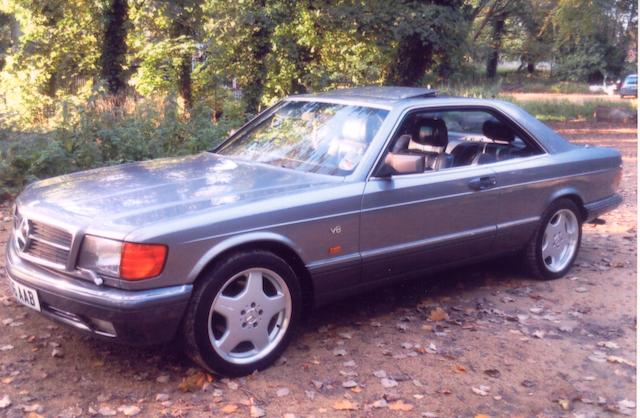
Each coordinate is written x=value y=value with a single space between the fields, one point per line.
x=240 y=240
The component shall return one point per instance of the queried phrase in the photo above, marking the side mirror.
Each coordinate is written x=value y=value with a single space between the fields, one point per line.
x=401 y=164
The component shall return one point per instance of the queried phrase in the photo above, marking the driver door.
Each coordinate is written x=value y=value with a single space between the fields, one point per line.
x=424 y=220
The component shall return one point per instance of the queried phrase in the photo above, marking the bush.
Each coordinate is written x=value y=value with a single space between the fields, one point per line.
x=105 y=132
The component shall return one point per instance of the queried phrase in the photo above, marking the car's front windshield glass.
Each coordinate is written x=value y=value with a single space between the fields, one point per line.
x=315 y=137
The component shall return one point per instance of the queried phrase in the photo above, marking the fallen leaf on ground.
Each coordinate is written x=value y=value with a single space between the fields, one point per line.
x=481 y=390
x=257 y=412
x=460 y=368
x=129 y=410
x=388 y=383
x=616 y=359
x=193 y=382
x=438 y=314
x=107 y=412
x=380 y=403
x=282 y=392
x=339 y=352
x=229 y=408
x=608 y=344
x=349 y=384
x=400 y=405
x=345 y=405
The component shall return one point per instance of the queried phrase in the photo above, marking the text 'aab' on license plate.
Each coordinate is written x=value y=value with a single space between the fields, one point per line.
x=25 y=295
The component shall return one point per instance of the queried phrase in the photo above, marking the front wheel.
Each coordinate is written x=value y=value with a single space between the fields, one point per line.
x=554 y=247
x=243 y=314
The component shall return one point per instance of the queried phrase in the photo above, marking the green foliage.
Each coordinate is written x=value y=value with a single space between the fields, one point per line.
x=55 y=55
x=104 y=134
x=172 y=64
x=587 y=39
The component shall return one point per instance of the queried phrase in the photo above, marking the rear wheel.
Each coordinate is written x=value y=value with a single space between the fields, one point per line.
x=243 y=314
x=554 y=247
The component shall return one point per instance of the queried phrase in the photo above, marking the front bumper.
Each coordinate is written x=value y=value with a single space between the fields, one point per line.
x=599 y=207
x=629 y=91
x=143 y=317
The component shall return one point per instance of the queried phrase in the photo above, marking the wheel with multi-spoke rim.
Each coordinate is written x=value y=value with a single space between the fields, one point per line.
x=555 y=245
x=243 y=313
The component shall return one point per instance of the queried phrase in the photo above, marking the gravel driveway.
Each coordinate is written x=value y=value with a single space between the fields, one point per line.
x=472 y=342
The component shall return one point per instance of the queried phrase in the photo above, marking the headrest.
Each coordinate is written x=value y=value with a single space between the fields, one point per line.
x=355 y=130
x=431 y=132
x=497 y=131
x=401 y=144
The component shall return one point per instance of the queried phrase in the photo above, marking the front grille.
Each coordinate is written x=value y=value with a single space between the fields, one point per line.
x=48 y=243
x=47 y=252
x=42 y=232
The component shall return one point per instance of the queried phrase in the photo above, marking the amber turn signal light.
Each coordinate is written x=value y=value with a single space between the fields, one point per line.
x=142 y=261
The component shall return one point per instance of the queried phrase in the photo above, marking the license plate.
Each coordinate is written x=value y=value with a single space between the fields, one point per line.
x=25 y=295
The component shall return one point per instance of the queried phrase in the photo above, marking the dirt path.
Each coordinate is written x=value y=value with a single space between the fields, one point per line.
x=574 y=98
x=480 y=340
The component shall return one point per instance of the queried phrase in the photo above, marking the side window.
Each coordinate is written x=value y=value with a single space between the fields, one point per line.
x=457 y=138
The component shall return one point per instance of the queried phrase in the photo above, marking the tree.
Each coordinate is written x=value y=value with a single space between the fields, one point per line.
x=162 y=46
x=54 y=54
x=592 y=37
x=114 y=46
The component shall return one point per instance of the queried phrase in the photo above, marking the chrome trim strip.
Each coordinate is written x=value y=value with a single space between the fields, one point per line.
x=497 y=188
x=429 y=242
x=519 y=222
x=334 y=263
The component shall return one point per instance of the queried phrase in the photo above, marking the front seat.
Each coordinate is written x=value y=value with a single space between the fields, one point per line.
x=502 y=148
x=430 y=137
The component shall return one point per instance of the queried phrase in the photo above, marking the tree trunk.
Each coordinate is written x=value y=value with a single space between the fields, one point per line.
x=494 y=55
x=183 y=25
x=114 y=47
x=411 y=60
x=260 y=47
x=184 y=81
x=531 y=67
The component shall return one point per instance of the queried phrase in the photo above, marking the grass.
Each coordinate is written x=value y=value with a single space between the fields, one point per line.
x=553 y=110
x=565 y=110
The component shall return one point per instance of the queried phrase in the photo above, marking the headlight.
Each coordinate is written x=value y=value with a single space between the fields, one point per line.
x=127 y=260
x=101 y=255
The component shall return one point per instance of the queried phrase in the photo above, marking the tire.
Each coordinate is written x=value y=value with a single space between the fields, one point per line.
x=243 y=313
x=555 y=245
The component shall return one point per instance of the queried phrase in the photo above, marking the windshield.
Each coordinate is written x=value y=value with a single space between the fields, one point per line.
x=326 y=138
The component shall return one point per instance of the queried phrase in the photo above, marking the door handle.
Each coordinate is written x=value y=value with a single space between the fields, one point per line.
x=482 y=183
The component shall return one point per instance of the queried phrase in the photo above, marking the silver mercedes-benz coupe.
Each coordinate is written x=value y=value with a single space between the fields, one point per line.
x=316 y=198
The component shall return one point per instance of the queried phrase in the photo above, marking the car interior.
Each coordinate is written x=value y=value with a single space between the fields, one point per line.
x=459 y=138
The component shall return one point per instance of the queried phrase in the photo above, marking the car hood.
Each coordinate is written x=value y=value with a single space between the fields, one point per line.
x=140 y=193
